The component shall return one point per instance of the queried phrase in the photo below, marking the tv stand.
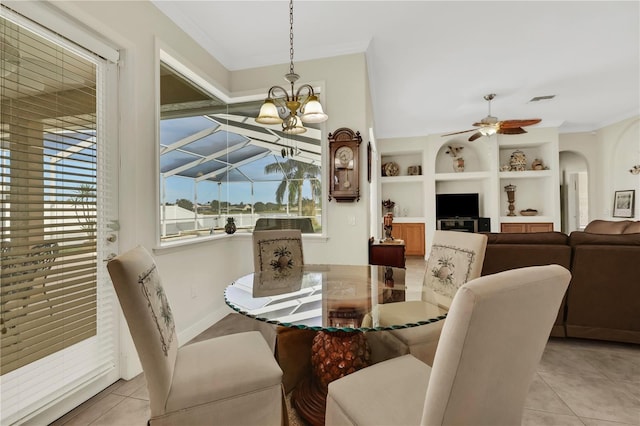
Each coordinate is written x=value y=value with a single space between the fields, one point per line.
x=465 y=224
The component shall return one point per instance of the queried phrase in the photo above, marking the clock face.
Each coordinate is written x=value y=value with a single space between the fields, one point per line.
x=344 y=155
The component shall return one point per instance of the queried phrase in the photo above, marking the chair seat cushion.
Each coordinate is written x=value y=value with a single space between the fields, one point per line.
x=416 y=335
x=388 y=393
x=407 y=312
x=241 y=364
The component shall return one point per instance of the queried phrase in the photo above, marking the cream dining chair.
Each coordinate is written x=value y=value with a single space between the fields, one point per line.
x=455 y=258
x=490 y=347
x=230 y=380
x=274 y=250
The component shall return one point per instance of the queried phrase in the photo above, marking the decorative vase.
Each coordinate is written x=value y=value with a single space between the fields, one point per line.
x=230 y=227
x=518 y=161
x=511 y=198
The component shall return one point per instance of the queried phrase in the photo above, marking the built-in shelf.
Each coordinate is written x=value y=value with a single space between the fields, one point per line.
x=462 y=176
x=527 y=174
x=401 y=179
x=528 y=219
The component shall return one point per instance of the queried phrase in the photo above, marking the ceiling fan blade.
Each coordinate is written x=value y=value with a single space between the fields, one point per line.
x=457 y=133
x=511 y=130
x=474 y=136
x=519 y=123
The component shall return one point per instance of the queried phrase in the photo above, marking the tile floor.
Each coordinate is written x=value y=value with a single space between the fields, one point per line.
x=579 y=382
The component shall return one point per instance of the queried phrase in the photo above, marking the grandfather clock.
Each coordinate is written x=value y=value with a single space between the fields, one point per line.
x=344 y=168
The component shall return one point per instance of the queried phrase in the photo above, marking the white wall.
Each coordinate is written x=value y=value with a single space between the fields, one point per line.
x=609 y=152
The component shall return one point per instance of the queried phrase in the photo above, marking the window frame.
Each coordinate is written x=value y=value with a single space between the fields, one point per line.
x=188 y=71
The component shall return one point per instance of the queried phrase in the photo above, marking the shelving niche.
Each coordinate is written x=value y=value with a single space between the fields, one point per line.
x=535 y=189
x=484 y=159
x=407 y=192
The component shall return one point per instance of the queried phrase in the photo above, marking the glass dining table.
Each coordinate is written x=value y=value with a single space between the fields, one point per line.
x=340 y=302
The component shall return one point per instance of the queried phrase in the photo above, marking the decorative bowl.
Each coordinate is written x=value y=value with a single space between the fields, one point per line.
x=528 y=212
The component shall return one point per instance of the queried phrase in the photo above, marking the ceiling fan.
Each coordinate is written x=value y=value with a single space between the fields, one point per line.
x=491 y=125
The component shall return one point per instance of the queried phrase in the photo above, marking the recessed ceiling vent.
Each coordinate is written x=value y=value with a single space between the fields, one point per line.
x=542 y=98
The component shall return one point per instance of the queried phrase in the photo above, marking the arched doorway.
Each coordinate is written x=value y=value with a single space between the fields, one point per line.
x=574 y=191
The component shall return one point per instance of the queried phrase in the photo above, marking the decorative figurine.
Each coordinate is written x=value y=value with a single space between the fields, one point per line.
x=455 y=152
x=537 y=164
x=388 y=226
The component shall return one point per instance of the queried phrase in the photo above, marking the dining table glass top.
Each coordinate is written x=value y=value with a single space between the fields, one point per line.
x=331 y=298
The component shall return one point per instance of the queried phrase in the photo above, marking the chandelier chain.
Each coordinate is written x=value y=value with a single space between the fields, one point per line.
x=291 y=35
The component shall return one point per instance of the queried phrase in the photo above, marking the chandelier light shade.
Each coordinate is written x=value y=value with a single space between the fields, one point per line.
x=282 y=107
x=269 y=113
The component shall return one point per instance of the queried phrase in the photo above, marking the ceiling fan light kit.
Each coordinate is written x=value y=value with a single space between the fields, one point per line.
x=289 y=104
x=490 y=125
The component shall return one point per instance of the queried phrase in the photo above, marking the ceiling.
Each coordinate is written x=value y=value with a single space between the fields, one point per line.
x=430 y=63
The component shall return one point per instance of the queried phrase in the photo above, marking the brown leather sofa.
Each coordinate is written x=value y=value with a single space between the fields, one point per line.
x=513 y=250
x=604 y=294
x=603 y=300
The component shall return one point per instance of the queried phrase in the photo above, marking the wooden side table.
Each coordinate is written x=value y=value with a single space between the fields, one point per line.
x=387 y=253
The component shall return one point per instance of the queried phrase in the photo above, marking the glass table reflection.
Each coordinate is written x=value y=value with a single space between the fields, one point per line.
x=342 y=303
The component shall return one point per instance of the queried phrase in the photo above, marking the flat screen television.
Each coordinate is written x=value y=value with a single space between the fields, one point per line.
x=457 y=205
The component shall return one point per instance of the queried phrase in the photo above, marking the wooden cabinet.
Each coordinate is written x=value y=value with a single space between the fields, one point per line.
x=526 y=227
x=413 y=236
x=387 y=254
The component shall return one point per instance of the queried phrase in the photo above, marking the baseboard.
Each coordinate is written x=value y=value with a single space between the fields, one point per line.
x=608 y=334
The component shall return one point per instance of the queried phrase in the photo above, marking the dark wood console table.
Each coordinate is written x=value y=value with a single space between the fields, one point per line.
x=387 y=253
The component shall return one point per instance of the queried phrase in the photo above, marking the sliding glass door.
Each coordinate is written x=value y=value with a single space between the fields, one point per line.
x=56 y=303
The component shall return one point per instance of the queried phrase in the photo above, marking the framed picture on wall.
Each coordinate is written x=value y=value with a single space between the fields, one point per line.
x=623 y=203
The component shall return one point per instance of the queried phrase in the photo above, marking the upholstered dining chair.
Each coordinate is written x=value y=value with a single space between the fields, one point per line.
x=231 y=380
x=455 y=258
x=490 y=347
x=274 y=250
x=277 y=249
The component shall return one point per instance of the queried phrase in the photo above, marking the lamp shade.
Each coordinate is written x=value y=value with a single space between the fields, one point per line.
x=269 y=113
x=313 y=112
x=293 y=125
x=488 y=130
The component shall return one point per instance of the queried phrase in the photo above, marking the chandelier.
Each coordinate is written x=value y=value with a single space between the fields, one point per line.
x=304 y=100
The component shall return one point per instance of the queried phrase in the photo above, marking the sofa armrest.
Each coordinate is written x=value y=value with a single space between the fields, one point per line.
x=604 y=294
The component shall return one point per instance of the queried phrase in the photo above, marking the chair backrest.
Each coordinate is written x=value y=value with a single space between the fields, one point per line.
x=148 y=314
x=455 y=258
x=491 y=344
x=278 y=249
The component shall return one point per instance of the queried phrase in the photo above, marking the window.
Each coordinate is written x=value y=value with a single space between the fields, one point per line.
x=217 y=163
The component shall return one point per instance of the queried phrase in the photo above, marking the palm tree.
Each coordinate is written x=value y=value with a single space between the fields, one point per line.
x=295 y=173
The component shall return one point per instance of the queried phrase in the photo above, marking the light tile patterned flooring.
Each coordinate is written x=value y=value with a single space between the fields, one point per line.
x=578 y=383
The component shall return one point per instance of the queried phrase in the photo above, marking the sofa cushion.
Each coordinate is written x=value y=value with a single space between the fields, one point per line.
x=633 y=228
x=586 y=238
x=527 y=238
x=607 y=226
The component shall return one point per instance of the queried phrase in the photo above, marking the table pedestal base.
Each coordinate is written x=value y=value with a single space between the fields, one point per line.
x=333 y=355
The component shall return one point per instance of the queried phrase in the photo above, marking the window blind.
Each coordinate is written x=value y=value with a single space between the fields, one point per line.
x=56 y=310
x=48 y=243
